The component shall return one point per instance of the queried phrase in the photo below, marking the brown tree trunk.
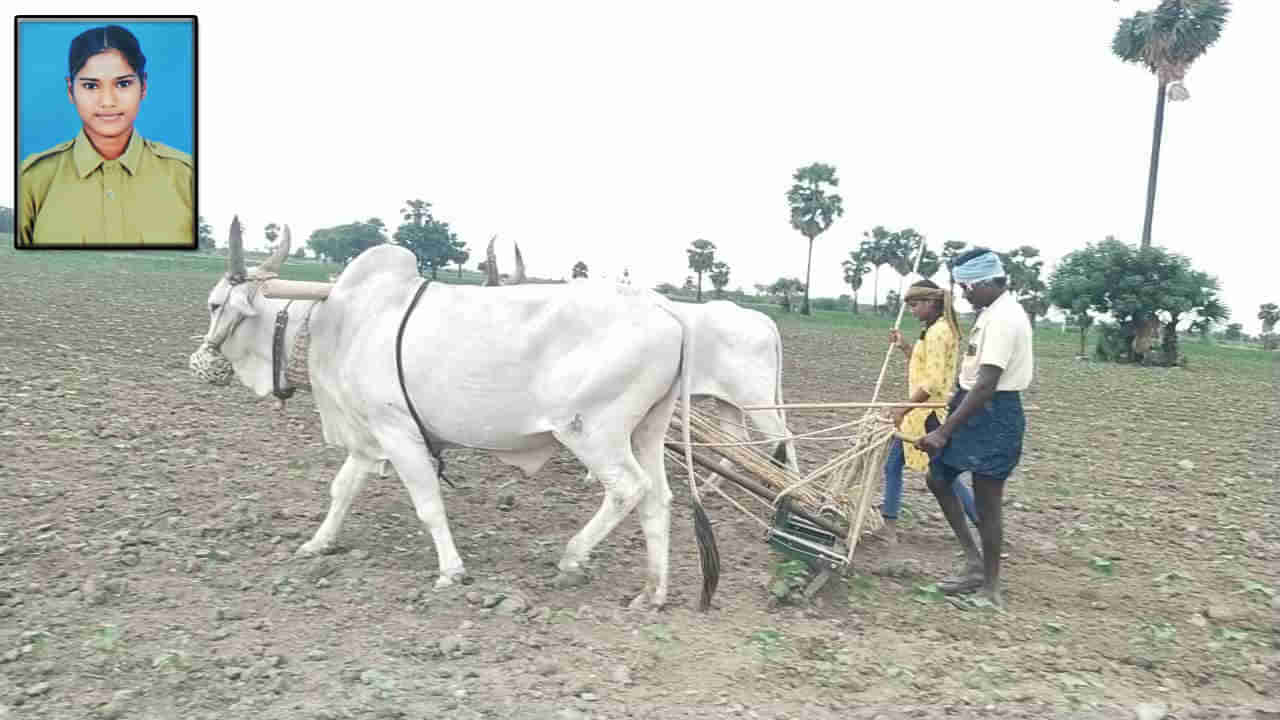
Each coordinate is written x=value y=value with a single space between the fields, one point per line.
x=804 y=306
x=1155 y=164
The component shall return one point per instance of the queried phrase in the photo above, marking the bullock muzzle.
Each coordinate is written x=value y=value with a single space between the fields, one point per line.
x=209 y=365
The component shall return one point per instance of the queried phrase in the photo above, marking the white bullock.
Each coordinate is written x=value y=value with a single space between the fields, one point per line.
x=519 y=371
x=739 y=355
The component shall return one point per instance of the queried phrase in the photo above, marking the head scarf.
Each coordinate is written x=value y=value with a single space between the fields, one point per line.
x=981 y=267
x=948 y=314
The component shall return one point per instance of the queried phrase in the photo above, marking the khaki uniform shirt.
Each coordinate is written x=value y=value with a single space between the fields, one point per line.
x=1001 y=336
x=70 y=195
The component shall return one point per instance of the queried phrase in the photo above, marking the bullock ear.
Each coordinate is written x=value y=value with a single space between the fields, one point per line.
x=240 y=304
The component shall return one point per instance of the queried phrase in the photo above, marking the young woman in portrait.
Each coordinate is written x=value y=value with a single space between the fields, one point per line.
x=108 y=185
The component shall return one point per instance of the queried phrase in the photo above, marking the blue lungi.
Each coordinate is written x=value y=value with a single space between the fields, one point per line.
x=990 y=441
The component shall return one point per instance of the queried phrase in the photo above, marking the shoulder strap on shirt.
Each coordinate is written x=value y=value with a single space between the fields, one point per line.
x=164 y=151
x=33 y=158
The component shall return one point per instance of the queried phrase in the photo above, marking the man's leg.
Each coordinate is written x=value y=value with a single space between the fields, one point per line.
x=940 y=479
x=963 y=492
x=990 y=496
x=892 y=490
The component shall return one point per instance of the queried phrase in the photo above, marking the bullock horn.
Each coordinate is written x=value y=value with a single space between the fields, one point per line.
x=273 y=263
x=491 y=265
x=235 y=254
x=519 y=278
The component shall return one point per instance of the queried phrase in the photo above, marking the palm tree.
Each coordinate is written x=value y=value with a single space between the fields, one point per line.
x=1167 y=40
x=813 y=209
x=416 y=211
x=702 y=255
x=1269 y=314
x=876 y=249
x=854 y=268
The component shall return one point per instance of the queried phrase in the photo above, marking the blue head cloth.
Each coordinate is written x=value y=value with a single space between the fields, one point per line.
x=981 y=267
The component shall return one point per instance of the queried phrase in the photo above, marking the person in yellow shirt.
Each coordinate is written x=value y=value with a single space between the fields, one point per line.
x=109 y=185
x=930 y=378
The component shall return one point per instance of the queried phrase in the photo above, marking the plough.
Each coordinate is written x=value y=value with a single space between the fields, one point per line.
x=821 y=515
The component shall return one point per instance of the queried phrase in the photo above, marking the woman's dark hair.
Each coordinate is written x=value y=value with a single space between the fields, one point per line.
x=100 y=39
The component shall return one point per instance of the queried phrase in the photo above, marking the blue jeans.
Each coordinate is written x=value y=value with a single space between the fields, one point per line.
x=893 y=466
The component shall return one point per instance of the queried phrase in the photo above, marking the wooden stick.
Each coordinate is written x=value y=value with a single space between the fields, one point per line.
x=838 y=405
x=758 y=489
x=296 y=289
x=855 y=523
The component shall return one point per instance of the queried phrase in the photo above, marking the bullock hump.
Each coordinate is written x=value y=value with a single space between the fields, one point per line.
x=397 y=261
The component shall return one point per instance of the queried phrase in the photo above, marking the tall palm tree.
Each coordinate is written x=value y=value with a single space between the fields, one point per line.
x=813 y=209
x=416 y=211
x=1167 y=40
x=1269 y=314
x=854 y=268
x=876 y=249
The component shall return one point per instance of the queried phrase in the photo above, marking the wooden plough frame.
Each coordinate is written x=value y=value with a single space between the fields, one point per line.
x=815 y=513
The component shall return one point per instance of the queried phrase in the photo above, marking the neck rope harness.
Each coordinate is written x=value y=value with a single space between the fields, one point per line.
x=422 y=428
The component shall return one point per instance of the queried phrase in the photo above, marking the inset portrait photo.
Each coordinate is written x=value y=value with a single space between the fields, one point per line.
x=106 y=132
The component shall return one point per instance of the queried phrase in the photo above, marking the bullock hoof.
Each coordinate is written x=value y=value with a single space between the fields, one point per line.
x=312 y=548
x=450 y=579
x=569 y=578
x=647 y=601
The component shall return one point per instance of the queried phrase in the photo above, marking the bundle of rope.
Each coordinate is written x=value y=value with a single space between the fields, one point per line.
x=842 y=487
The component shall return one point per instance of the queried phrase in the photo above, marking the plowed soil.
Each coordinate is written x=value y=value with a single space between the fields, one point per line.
x=147 y=564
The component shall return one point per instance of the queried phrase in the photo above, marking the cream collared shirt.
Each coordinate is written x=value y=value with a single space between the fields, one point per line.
x=1001 y=336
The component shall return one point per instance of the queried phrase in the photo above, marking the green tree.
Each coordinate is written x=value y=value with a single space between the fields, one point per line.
x=813 y=208
x=579 y=270
x=719 y=277
x=877 y=248
x=854 y=268
x=460 y=255
x=1212 y=312
x=951 y=249
x=702 y=255
x=6 y=219
x=784 y=290
x=204 y=235
x=430 y=239
x=343 y=242
x=1133 y=285
x=892 y=300
x=272 y=231
x=432 y=243
x=1269 y=314
x=1022 y=267
x=1234 y=331
x=1167 y=40
x=300 y=252
x=904 y=245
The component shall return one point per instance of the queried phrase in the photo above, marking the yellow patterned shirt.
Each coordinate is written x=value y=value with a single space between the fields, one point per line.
x=933 y=368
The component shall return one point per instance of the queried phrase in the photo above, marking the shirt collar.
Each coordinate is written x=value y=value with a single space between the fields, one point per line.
x=87 y=158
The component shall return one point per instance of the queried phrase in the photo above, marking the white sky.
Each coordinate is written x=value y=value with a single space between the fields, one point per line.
x=618 y=133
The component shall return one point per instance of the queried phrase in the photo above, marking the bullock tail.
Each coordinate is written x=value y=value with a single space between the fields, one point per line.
x=708 y=553
x=786 y=450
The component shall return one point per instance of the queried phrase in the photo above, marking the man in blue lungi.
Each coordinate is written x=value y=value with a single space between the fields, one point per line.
x=983 y=431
